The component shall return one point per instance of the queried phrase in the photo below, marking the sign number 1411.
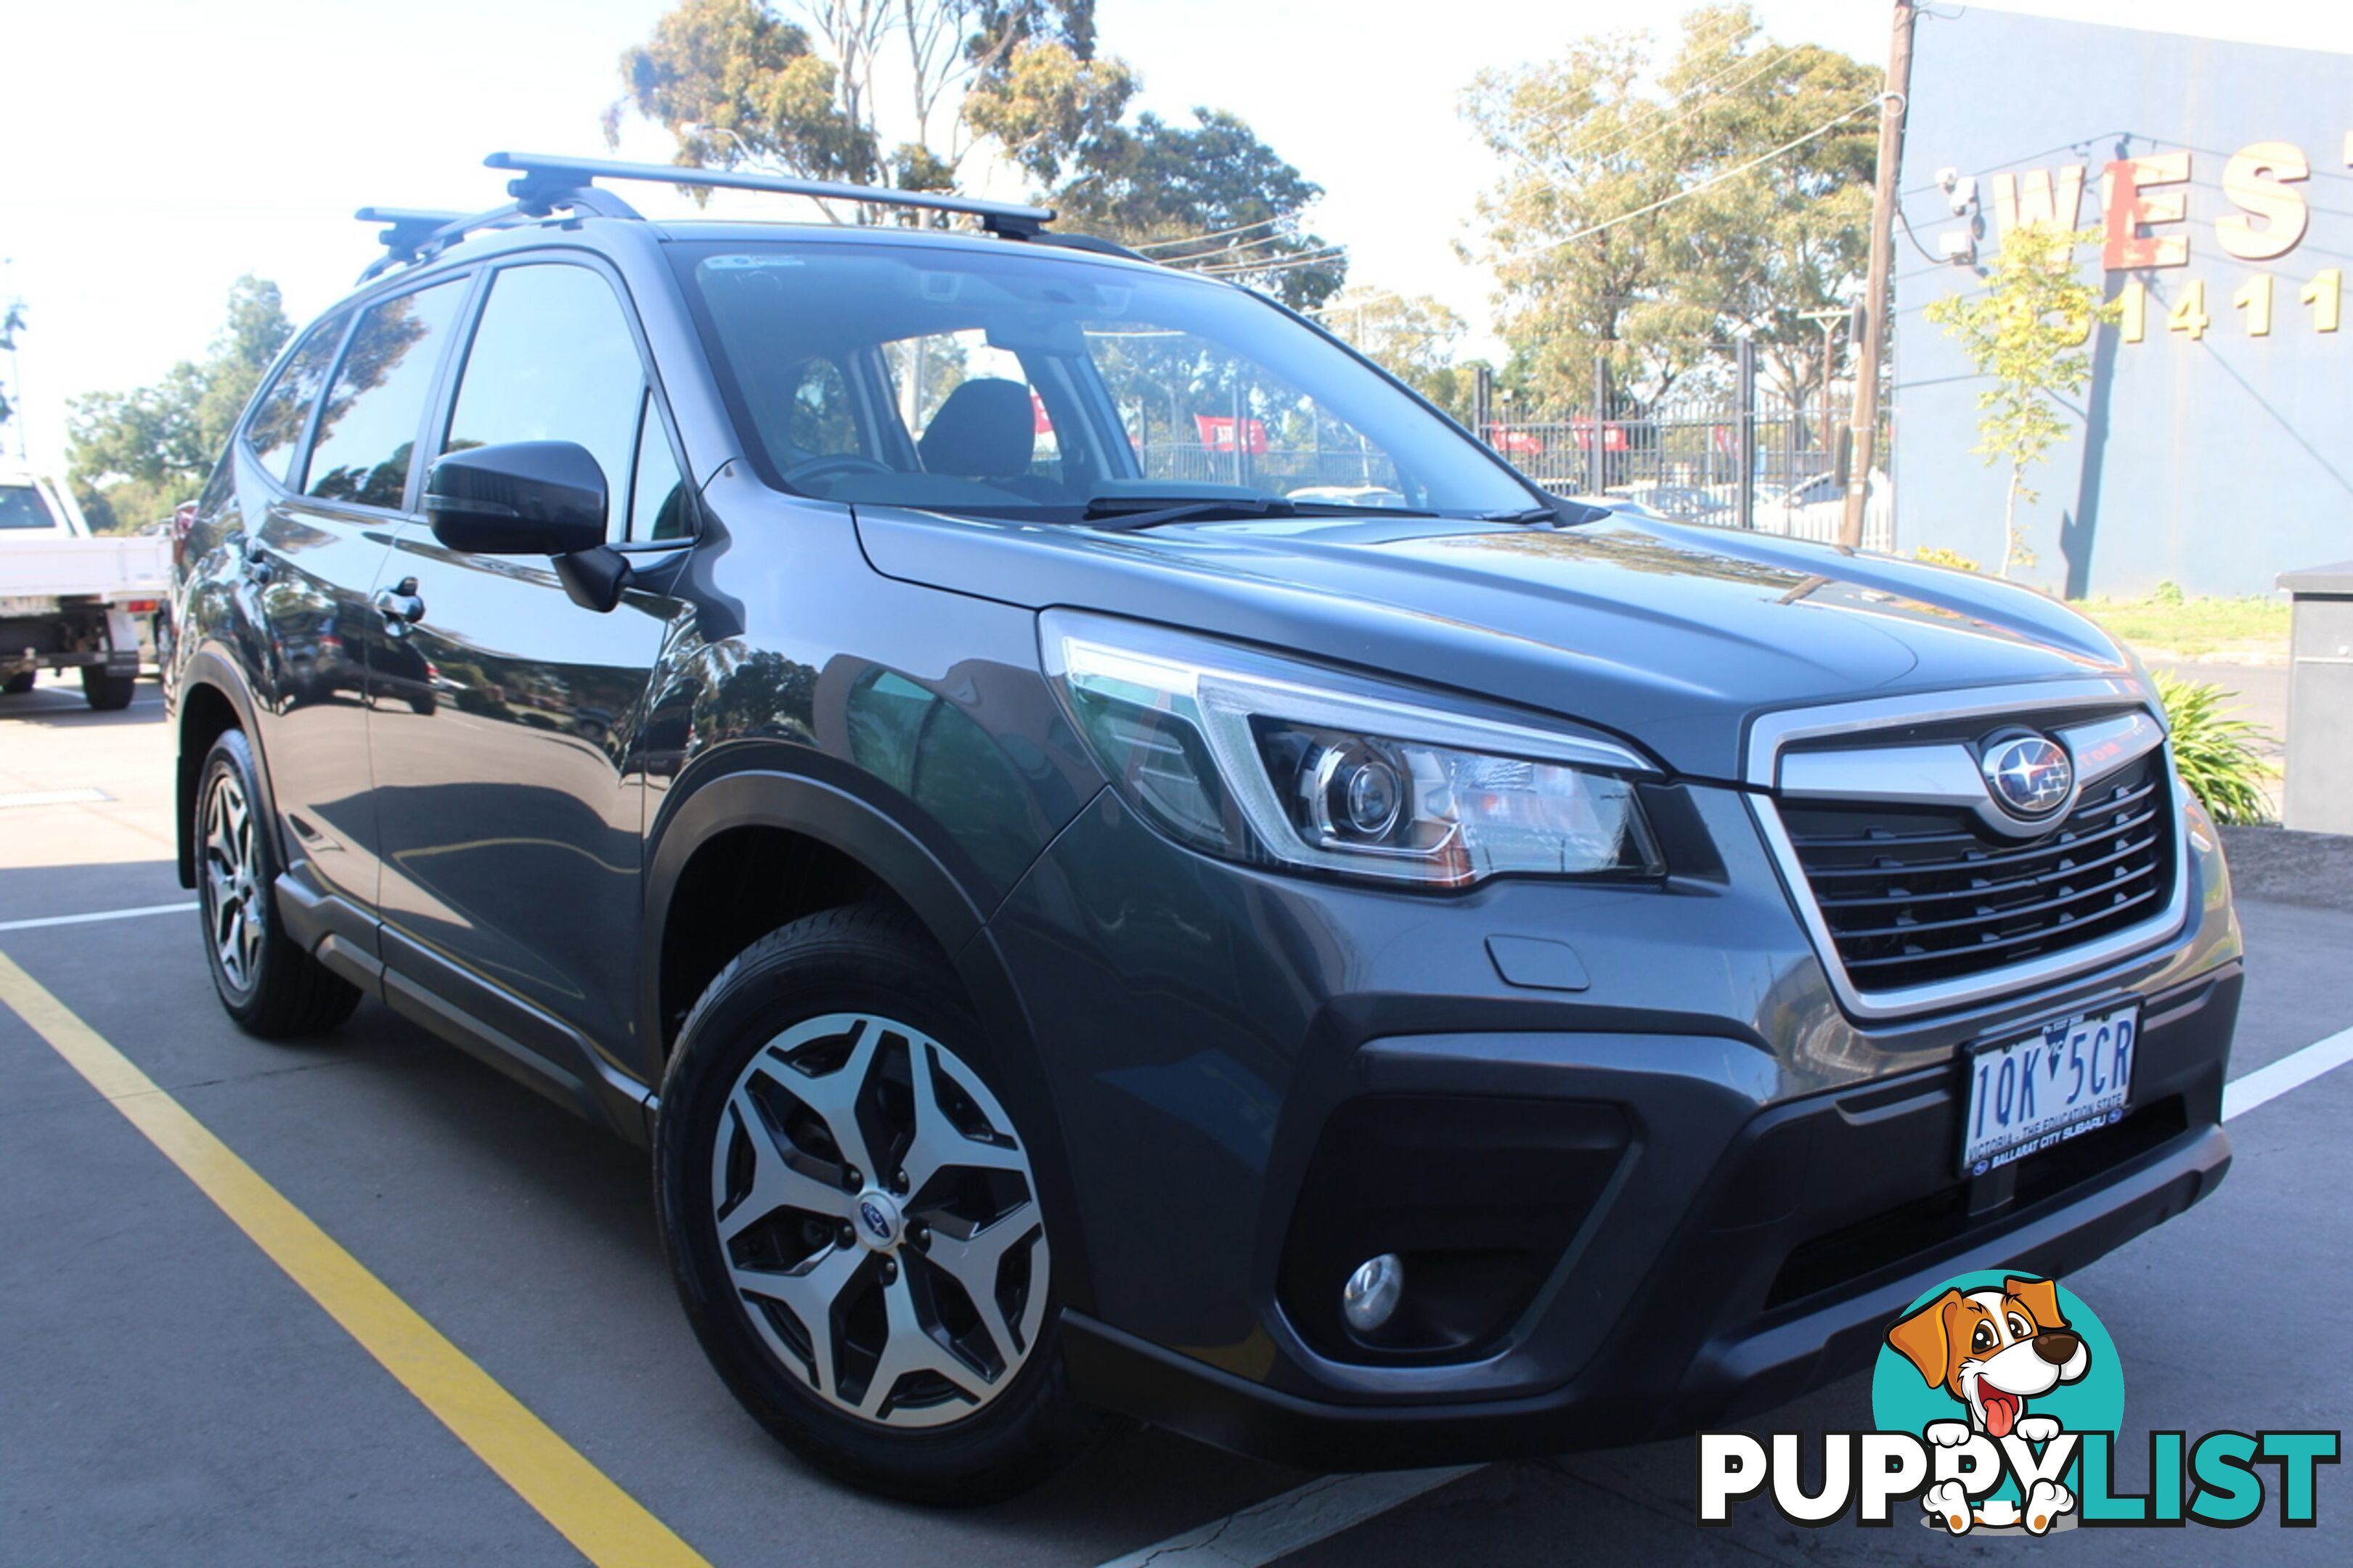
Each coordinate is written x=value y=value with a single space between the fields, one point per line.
x=2187 y=314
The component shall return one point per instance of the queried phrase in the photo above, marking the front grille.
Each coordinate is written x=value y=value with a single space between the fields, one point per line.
x=1914 y=895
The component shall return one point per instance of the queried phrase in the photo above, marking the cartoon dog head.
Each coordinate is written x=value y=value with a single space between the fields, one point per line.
x=1993 y=1350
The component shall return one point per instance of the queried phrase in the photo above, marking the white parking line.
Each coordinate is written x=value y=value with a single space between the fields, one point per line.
x=2293 y=1070
x=1322 y=1509
x=93 y=919
x=52 y=796
x=1282 y=1525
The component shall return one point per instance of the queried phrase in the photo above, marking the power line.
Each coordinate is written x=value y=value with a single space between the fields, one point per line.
x=1823 y=130
x=1661 y=110
x=1658 y=127
x=1279 y=259
x=1236 y=249
x=1329 y=253
x=1213 y=234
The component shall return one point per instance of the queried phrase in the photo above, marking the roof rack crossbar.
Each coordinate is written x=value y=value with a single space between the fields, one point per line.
x=543 y=177
x=418 y=233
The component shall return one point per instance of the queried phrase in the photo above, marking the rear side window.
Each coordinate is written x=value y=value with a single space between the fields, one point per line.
x=553 y=360
x=279 y=419
x=367 y=430
x=21 y=506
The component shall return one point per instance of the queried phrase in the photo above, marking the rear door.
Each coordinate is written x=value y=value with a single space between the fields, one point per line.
x=503 y=727
x=310 y=561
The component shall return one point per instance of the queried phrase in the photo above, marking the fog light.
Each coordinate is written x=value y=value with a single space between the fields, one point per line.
x=1370 y=1296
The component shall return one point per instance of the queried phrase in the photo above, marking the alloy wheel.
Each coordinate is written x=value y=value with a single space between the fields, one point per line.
x=878 y=1220
x=232 y=907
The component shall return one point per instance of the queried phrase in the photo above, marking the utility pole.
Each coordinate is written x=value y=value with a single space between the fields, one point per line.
x=1864 y=422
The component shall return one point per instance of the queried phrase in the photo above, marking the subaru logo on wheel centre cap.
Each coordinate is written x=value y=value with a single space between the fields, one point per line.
x=875 y=1219
x=2029 y=775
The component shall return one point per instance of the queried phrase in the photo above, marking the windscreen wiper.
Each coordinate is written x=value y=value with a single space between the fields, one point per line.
x=1112 y=519
x=1562 y=514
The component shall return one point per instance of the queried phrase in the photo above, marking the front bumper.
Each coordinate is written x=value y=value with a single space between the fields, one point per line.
x=1787 y=1181
x=1773 y=1284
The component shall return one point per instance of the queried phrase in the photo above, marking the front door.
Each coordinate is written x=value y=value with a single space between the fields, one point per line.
x=504 y=719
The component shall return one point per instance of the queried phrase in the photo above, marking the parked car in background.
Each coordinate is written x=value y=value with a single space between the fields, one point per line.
x=1686 y=503
x=1816 y=510
x=1378 y=496
x=72 y=600
x=1365 y=980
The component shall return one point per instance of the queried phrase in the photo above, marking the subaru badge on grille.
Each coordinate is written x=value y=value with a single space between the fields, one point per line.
x=2028 y=775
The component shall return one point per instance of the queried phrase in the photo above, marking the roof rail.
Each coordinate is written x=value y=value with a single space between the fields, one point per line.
x=547 y=178
x=543 y=184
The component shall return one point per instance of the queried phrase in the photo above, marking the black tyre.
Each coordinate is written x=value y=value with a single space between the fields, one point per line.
x=853 y=1216
x=107 y=693
x=19 y=683
x=268 y=985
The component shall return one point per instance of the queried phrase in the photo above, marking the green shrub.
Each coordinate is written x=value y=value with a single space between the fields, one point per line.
x=2216 y=754
x=1937 y=556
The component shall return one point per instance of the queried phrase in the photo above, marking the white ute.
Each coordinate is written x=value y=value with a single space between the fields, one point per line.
x=69 y=599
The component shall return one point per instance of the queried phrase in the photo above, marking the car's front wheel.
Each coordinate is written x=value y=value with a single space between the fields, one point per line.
x=854 y=1220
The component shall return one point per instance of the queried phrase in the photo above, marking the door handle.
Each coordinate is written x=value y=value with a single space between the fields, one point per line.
x=399 y=606
x=257 y=566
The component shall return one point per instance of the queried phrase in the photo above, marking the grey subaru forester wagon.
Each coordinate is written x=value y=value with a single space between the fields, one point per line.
x=1122 y=863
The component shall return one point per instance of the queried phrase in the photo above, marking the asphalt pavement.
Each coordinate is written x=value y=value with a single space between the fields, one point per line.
x=168 y=1395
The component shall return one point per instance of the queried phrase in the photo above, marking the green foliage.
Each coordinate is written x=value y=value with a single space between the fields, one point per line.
x=2026 y=331
x=2255 y=626
x=132 y=456
x=736 y=84
x=1937 y=556
x=873 y=93
x=903 y=94
x=1603 y=132
x=2167 y=591
x=1411 y=337
x=12 y=321
x=2218 y=756
x=1211 y=196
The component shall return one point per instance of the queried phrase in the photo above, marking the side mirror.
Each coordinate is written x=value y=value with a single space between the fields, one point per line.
x=518 y=498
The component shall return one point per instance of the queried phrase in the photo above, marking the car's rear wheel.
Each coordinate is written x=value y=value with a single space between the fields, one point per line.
x=267 y=984
x=19 y=683
x=105 y=692
x=854 y=1219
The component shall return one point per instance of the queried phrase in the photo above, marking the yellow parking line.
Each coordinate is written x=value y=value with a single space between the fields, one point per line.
x=608 y=1526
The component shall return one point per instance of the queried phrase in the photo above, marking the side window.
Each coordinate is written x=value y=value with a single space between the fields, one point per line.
x=276 y=428
x=21 y=506
x=553 y=360
x=657 y=495
x=367 y=430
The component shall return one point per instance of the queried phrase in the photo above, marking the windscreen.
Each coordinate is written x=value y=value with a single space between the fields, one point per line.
x=21 y=506
x=1037 y=384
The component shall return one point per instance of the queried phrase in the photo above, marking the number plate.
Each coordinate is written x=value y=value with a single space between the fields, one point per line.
x=2030 y=1091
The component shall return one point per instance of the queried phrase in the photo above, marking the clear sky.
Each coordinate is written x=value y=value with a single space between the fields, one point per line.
x=156 y=149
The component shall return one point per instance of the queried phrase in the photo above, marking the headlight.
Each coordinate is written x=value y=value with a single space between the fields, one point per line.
x=1256 y=758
